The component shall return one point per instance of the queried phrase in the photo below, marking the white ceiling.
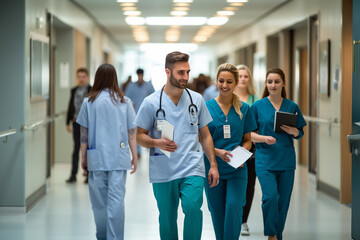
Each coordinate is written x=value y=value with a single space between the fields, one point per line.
x=110 y=15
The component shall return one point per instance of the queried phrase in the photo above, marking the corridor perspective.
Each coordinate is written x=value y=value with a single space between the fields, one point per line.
x=50 y=51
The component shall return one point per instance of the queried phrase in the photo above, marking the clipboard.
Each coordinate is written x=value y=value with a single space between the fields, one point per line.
x=284 y=118
x=167 y=132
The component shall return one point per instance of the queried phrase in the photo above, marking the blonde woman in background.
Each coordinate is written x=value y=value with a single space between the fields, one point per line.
x=246 y=92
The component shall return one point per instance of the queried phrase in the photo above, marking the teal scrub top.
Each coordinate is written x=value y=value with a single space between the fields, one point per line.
x=108 y=126
x=251 y=99
x=187 y=159
x=281 y=155
x=238 y=127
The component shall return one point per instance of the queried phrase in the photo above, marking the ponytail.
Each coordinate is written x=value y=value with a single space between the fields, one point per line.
x=237 y=105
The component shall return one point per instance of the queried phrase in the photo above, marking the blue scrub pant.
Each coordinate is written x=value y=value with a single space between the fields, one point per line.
x=226 y=202
x=276 y=188
x=107 y=192
x=167 y=194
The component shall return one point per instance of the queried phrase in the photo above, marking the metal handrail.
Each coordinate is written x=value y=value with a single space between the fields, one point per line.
x=7 y=133
x=322 y=120
x=45 y=121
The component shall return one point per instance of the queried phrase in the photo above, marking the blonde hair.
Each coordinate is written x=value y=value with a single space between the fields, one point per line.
x=228 y=67
x=250 y=88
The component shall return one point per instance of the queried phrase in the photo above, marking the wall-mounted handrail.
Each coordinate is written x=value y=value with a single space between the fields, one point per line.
x=330 y=122
x=7 y=133
x=322 y=120
x=45 y=121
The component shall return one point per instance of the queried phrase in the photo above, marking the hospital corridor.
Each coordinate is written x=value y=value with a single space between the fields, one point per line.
x=180 y=120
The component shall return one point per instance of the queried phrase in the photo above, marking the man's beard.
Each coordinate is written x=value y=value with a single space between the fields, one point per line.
x=175 y=82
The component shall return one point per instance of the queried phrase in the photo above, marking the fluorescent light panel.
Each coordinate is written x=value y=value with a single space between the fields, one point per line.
x=182 y=1
x=236 y=4
x=129 y=8
x=132 y=13
x=217 y=21
x=195 y=21
x=181 y=4
x=127 y=4
x=237 y=1
x=127 y=1
x=135 y=20
x=181 y=9
x=225 y=13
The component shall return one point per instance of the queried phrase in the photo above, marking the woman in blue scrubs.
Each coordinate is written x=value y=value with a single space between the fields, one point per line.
x=231 y=127
x=275 y=153
x=107 y=136
x=246 y=91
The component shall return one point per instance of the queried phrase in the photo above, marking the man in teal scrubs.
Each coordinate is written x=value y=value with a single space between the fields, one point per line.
x=182 y=175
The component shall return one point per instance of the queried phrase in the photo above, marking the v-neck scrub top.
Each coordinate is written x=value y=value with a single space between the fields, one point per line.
x=108 y=126
x=187 y=159
x=238 y=127
x=281 y=155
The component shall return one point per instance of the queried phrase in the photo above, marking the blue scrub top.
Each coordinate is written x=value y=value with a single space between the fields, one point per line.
x=210 y=93
x=137 y=93
x=281 y=155
x=108 y=126
x=187 y=159
x=238 y=127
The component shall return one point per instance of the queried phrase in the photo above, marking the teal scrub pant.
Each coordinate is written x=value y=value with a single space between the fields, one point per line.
x=226 y=202
x=276 y=188
x=107 y=192
x=167 y=194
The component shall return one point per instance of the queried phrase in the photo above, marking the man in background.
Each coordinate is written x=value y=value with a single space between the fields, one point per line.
x=137 y=92
x=78 y=94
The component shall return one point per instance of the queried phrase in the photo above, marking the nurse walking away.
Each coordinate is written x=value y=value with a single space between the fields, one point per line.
x=231 y=127
x=275 y=153
x=107 y=132
x=182 y=175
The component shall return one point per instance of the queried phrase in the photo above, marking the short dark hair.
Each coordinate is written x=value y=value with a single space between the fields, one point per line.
x=174 y=57
x=82 y=69
x=140 y=71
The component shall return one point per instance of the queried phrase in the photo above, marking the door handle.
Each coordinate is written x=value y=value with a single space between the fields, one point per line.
x=353 y=54
x=352 y=138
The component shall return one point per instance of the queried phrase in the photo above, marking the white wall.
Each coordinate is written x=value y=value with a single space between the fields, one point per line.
x=35 y=150
x=329 y=28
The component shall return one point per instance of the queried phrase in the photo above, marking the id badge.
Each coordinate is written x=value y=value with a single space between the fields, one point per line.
x=159 y=125
x=227 y=131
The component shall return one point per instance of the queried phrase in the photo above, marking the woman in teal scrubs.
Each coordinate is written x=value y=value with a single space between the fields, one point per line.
x=275 y=153
x=231 y=127
x=246 y=91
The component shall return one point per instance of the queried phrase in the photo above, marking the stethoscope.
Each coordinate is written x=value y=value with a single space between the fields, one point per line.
x=193 y=110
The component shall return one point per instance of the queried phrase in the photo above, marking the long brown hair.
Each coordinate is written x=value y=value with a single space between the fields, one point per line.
x=282 y=76
x=105 y=77
x=228 y=67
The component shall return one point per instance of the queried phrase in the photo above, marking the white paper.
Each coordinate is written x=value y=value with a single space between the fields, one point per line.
x=168 y=133
x=240 y=156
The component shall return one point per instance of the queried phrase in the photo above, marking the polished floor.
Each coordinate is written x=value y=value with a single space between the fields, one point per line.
x=65 y=213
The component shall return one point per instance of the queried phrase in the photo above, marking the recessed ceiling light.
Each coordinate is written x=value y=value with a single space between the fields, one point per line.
x=237 y=1
x=236 y=4
x=181 y=9
x=200 y=39
x=129 y=8
x=178 y=13
x=182 y=1
x=132 y=13
x=127 y=4
x=231 y=8
x=225 y=13
x=127 y=1
x=196 y=21
x=181 y=4
x=135 y=20
x=217 y=21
